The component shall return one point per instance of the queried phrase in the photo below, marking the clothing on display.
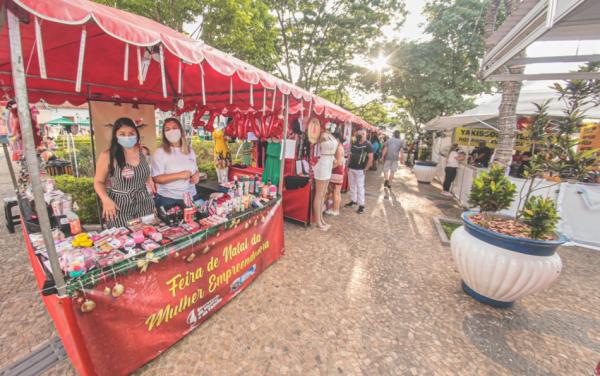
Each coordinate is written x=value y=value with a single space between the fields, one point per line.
x=322 y=170
x=272 y=168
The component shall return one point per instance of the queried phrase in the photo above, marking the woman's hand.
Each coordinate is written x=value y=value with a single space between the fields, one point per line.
x=185 y=175
x=151 y=185
x=195 y=178
x=109 y=209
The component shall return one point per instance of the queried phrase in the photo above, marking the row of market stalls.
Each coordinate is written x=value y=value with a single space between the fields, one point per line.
x=578 y=203
x=531 y=23
x=123 y=311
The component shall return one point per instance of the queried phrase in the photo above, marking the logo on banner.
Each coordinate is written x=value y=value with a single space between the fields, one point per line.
x=198 y=313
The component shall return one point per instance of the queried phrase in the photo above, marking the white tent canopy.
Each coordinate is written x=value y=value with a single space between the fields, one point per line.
x=487 y=112
x=542 y=20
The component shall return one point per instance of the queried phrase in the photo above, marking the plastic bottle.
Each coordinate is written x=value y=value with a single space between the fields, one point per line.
x=246 y=185
x=251 y=185
x=74 y=223
x=272 y=191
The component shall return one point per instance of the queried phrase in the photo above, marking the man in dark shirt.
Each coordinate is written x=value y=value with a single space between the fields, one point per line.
x=481 y=155
x=361 y=158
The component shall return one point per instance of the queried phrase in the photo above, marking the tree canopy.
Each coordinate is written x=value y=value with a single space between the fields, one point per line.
x=438 y=77
x=319 y=38
x=243 y=28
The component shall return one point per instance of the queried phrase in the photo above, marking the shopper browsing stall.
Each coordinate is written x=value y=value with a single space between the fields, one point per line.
x=174 y=167
x=322 y=173
x=337 y=176
x=126 y=171
x=455 y=156
x=361 y=158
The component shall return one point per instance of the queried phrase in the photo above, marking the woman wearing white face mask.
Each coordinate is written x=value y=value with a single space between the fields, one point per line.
x=124 y=167
x=174 y=168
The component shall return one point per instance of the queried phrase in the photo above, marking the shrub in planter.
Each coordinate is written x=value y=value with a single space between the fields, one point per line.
x=82 y=192
x=501 y=258
x=541 y=217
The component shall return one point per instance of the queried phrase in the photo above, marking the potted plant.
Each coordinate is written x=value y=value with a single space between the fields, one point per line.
x=425 y=169
x=500 y=258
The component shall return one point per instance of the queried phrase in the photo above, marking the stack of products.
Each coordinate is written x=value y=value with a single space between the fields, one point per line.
x=61 y=208
x=85 y=251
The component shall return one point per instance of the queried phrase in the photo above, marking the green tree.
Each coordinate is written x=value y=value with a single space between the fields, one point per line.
x=243 y=28
x=374 y=112
x=168 y=12
x=437 y=77
x=318 y=38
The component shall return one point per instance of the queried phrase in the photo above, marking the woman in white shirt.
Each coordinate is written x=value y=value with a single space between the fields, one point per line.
x=174 y=168
x=454 y=158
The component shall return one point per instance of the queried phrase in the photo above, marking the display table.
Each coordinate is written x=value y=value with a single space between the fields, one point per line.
x=296 y=202
x=167 y=292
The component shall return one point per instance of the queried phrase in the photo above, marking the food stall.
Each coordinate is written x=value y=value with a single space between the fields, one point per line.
x=577 y=202
x=119 y=297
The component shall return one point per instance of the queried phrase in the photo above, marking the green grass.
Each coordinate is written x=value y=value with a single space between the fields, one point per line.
x=449 y=227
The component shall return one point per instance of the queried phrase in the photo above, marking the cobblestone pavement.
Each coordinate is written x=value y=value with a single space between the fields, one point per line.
x=376 y=295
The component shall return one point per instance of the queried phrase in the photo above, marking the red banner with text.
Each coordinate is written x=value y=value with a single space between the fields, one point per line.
x=174 y=296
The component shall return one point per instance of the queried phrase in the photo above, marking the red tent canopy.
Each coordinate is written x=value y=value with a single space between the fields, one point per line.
x=110 y=47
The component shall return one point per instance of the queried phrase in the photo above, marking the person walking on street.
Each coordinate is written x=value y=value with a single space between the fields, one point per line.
x=361 y=158
x=391 y=155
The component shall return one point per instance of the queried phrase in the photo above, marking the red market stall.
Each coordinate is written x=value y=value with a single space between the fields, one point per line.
x=116 y=317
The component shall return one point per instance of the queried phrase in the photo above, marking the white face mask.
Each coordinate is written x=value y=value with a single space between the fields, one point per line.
x=173 y=135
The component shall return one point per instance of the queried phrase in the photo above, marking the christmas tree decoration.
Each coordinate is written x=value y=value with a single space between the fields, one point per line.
x=107 y=291
x=205 y=250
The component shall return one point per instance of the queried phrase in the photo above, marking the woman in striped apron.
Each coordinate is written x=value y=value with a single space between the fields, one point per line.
x=123 y=177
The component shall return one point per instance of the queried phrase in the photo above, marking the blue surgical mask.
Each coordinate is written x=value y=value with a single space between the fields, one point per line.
x=127 y=141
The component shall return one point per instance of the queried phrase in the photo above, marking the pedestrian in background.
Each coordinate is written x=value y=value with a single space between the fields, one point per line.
x=361 y=158
x=391 y=156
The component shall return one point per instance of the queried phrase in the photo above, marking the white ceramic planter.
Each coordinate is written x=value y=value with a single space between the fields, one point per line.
x=498 y=269
x=425 y=171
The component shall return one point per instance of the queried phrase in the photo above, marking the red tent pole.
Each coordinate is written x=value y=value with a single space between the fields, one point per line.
x=20 y=87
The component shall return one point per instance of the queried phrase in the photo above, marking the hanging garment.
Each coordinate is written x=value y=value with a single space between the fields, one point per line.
x=322 y=170
x=272 y=168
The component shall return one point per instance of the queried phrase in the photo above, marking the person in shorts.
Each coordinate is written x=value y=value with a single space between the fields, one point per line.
x=391 y=155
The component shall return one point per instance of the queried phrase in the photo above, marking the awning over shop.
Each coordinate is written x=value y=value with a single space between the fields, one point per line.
x=542 y=20
x=61 y=121
x=486 y=113
x=140 y=61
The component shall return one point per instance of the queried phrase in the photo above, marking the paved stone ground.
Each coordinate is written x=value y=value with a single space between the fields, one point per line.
x=376 y=295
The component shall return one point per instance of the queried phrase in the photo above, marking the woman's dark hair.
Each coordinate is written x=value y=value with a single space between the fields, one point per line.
x=339 y=137
x=116 y=150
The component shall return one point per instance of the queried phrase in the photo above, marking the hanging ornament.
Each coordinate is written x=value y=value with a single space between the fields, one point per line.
x=191 y=257
x=205 y=250
x=107 y=291
x=88 y=306
x=176 y=254
x=118 y=290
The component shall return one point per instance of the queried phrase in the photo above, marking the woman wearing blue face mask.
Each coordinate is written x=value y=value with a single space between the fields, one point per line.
x=123 y=177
